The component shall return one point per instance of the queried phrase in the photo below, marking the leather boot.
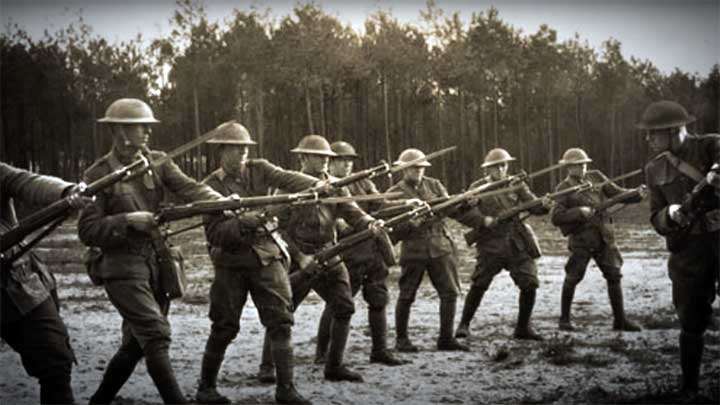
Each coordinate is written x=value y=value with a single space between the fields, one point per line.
x=566 y=298
x=323 y=336
x=207 y=392
x=334 y=368
x=161 y=372
x=447 y=341
x=267 y=366
x=378 y=333
x=56 y=390
x=523 y=330
x=402 y=317
x=285 y=392
x=691 y=351
x=118 y=371
x=472 y=302
x=616 y=303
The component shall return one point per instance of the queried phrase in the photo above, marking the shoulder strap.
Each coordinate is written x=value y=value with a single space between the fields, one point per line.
x=683 y=166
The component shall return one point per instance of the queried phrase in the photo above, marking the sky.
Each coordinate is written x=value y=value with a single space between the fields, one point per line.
x=672 y=34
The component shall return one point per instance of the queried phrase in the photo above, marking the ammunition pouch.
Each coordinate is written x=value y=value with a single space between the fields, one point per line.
x=172 y=280
x=91 y=258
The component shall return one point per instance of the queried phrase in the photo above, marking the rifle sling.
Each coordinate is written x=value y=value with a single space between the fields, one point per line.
x=683 y=167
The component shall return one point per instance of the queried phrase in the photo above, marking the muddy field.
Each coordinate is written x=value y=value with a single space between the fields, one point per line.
x=593 y=365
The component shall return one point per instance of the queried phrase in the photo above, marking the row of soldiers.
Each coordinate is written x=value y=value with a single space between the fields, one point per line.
x=255 y=256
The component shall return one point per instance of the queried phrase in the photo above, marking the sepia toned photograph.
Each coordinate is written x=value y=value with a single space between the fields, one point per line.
x=346 y=202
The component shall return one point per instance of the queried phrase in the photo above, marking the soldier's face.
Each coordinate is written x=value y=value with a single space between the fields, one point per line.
x=132 y=137
x=498 y=171
x=414 y=174
x=341 y=167
x=578 y=170
x=233 y=157
x=660 y=140
x=315 y=163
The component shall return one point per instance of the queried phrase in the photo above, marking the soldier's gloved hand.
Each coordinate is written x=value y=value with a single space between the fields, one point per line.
x=75 y=197
x=676 y=215
x=587 y=212
x=489 y=222
x=713 y=176
x=251 y=219
x=143 y=221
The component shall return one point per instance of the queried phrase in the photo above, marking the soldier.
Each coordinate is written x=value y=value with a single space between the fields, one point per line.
x=591 y=236
x=426 y=247
x=30 y=319
x=119 y=223
x=366 y=267
x=310 y=229
x=681 y=161
x=247 y=260
x=509 y=245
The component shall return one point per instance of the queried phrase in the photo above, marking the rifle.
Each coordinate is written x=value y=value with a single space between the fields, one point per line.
x=61 y=209
x=690 y=207
x=209 y=207
x=472 y=236
x=302 y=280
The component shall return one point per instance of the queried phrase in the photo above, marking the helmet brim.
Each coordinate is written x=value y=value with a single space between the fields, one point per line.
x=128 y=120
x=421 y=164
x=224 y=142
x=488 y=164
x=574 y=162
x=313 y=152
x=643 y=125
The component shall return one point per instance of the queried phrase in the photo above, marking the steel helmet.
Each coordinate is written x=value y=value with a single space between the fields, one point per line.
x=408 y=155
x=497 y=156
x=574 y=156
x=343 y=149
x=664 y=114
x=129 y=111
x=232 y=133
x=314 y=145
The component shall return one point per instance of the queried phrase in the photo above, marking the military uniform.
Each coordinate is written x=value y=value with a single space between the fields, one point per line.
x=590 y=238
x=368 y=272
x=308 y=230
x=693 y=264
x=425 y=249
x=249 y=261
x=31 y=324
x=128 y=268
x=509 y=245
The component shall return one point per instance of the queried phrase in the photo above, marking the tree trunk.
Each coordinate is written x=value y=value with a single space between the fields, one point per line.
x=495 y=123
x=308 y=107
x=260 y=111
x=388 y=151
x=196 y=108
x=323 y=129
x=612 y=140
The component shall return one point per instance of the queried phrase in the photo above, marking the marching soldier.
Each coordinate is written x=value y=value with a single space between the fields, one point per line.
x=591 y=236
x=366 y=267
x=119 y=223
x=692 y=231
x=426 y=248
x=310 y=229
x=248 y=259
x=509 y=245
x=30 y=321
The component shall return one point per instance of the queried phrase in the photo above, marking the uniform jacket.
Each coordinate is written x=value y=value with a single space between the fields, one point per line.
x=28 y=283
x=584 y=233
x=365 y=251
x=511 y=238
x=127 y=253
x=668 y=185
x=431 y=240
x=311 y=227
x=231 y=242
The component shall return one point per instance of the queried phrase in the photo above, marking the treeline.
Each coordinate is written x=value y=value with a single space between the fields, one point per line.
x=397 y=85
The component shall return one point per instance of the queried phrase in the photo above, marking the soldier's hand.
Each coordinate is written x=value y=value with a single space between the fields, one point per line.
x=416 y=222
x=642 y=191
x=587 y=212
x=713 y=176
x=251 y=219
x=76 y=199
x=489 y=222
x=547 y=202
x=676 y=215
x=376 y=226
x=415 y=202
x=323 y=186
x=143 y=221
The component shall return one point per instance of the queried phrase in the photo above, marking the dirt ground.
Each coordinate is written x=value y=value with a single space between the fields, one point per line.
x=593 y=365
